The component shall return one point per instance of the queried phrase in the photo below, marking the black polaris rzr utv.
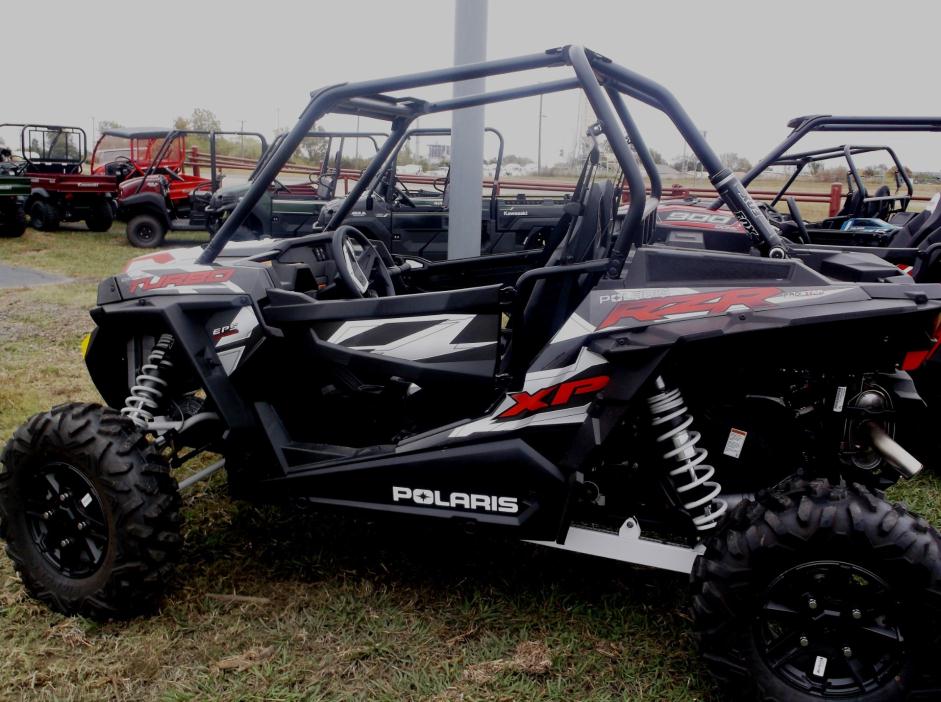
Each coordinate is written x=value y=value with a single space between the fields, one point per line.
x=646 y=404
x=863 y=220
x=291 y=209
x=882 y=224
x=414 y=221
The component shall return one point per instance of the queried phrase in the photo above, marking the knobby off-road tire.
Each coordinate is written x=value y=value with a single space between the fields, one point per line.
x=805 y=539
x=84 y=464
x=100 y=216
x=42 y=216
x=145 y=231
x=14 y=224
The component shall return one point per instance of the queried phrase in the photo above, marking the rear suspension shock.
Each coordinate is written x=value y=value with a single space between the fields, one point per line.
x=148 y=389
x=689 y=475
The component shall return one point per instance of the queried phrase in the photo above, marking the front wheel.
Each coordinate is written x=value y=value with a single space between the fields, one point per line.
x=821 y=592
x=89 y=511
x=145 y=231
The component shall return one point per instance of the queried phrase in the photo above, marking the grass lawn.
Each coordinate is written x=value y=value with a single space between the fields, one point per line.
x=327 y=607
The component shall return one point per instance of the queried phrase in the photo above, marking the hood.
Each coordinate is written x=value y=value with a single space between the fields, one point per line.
x=173 y=259
x=229 y=194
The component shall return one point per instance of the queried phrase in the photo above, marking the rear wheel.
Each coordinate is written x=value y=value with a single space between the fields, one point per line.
x=90 y=513
x=14 y=223
x=42 y=216
x=820 y=592
x=145 y=231
x=100 y=216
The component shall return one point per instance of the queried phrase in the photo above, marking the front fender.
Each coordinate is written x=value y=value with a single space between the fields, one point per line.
x=143 y=203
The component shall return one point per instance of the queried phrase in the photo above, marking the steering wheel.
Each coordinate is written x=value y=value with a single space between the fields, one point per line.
x=363 y=273
x=173 y=175
x=402 y=193
x=798 y=220
x=279 y=186
x=395 y=191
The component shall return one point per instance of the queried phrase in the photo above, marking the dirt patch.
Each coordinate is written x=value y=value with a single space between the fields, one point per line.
x=530 y=657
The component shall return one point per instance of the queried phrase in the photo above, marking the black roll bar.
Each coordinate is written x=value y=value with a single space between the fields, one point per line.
x=369 y=99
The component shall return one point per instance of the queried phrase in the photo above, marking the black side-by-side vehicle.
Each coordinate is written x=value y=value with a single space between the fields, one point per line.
x=600 y=396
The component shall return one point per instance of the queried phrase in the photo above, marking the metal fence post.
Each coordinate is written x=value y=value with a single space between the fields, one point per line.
x=836 y=197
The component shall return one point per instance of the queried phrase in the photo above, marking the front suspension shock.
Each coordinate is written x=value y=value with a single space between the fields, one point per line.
x=149 y=385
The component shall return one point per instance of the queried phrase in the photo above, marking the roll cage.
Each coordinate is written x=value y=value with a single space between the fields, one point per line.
x=325 y=164
x=58 y=146
x=604 y=83
x=388 y=174
x=140 y=145
x=802 y=126
x=800 y=160
x=212 y=135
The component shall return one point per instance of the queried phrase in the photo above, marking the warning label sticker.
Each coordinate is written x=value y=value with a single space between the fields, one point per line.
x=735 y=442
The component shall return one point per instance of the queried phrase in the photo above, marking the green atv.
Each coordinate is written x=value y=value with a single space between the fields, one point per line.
x=14 y=189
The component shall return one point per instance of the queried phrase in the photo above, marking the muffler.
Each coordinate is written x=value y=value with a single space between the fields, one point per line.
x=905 y=463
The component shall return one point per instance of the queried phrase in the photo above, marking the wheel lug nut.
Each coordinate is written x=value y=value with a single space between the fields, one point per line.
x=847 y=651
x=857 y=614
x=805 y=642
x=64 y=496
x=812 y=603
x=81 y=526
x=65 y=542
x=47 y=515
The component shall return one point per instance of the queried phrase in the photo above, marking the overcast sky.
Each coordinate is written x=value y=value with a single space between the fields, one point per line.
x=741 y=69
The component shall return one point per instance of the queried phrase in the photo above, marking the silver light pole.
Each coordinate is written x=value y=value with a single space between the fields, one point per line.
x=467 y=133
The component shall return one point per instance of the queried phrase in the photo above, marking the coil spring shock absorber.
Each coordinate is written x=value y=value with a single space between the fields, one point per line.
x=690 y=476
x=148 y=389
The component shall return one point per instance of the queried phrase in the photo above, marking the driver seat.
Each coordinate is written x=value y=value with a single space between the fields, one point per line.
x=552 y=301
x=852 y=204
x=878 y=209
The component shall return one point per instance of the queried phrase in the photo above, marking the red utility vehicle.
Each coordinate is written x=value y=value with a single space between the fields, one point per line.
x=167 y=191
x=59 y=190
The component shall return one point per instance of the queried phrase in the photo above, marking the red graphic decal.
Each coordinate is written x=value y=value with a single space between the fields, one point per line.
x=553 y=396
x=716 y=302
x=161 y=257
x=173 y=280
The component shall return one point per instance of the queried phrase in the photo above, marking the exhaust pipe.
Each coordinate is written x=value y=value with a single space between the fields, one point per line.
x=905 y=463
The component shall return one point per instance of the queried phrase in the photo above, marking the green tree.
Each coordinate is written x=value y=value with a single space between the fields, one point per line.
x=204 y=120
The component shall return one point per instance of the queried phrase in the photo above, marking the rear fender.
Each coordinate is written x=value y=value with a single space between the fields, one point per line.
x=37 y=194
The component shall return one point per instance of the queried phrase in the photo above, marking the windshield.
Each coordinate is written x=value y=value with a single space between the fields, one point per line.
x=140 y=151
x=55 y=145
